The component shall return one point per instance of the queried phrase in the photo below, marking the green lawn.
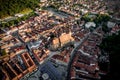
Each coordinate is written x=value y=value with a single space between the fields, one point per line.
x=26 y=11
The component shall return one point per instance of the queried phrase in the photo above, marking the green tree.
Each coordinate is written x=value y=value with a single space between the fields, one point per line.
x=10 y=7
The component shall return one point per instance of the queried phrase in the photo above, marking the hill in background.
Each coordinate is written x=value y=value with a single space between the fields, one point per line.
x=10 y=7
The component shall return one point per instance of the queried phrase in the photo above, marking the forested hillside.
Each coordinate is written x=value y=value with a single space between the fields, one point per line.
x=10 y=7
x=111 y=44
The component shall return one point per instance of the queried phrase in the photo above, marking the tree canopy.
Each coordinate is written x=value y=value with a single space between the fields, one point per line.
x=10 y=7
x=98 y=19
x=111 y=44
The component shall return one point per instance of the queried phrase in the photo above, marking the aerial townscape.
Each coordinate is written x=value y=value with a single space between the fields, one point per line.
x=59 y=40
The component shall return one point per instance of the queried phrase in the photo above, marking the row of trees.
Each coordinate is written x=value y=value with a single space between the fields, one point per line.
x=16 y=21
x=98 y=19
x=10 y=7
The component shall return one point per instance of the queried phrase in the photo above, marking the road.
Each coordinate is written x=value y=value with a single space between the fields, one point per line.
x=73 y=55
x=74 y=51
